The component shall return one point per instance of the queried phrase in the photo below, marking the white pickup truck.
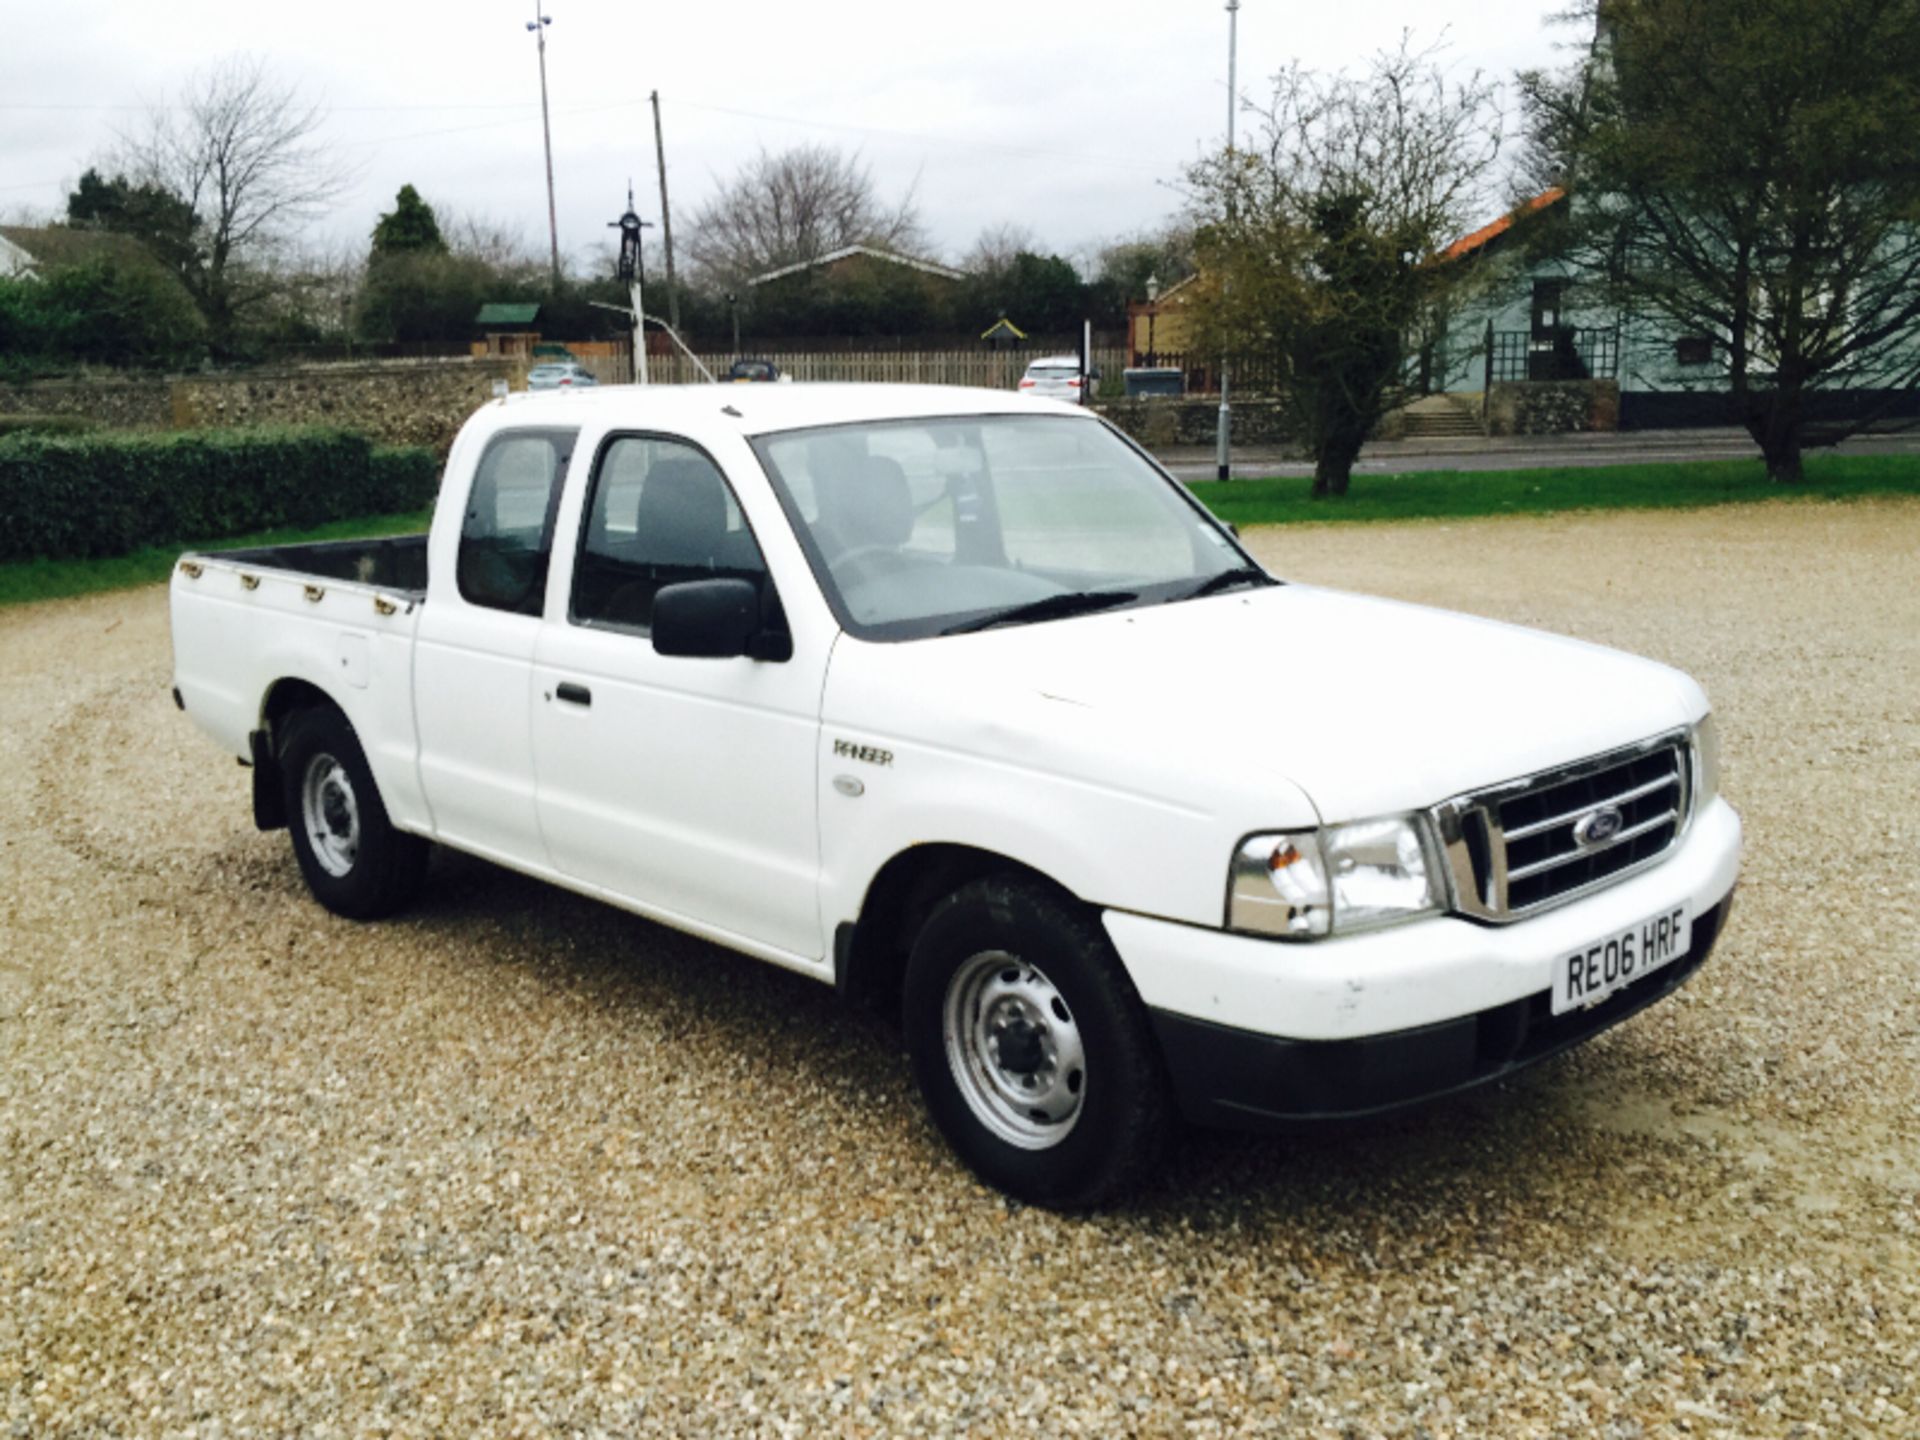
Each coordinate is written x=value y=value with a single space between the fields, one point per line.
x=956 y=698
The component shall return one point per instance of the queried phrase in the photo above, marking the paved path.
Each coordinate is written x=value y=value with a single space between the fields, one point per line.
x=1529 y=452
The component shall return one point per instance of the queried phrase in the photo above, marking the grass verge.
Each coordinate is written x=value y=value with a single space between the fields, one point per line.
x=1460 y=494
x=27 y=580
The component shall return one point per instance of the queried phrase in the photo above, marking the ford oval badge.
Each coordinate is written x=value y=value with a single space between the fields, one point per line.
x=1597 y=827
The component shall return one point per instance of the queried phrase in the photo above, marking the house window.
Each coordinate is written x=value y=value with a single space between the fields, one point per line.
x=1693 y=350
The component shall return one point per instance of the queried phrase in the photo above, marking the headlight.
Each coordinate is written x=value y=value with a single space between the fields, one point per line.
x=1310 y=883
x=1706 y=763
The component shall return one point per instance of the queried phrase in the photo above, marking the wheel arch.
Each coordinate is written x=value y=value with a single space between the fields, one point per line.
x=283 y=699
x=870 y=952
x=288 y=694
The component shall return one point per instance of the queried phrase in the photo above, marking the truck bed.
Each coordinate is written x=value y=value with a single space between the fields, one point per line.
x=398 y=563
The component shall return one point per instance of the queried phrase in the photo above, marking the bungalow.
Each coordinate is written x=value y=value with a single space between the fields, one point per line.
x=16 y=262
x=851 y=260
x=29 y=252
x=1532 y=348
x=855 y=290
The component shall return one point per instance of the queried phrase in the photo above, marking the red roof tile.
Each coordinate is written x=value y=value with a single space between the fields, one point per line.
x=1486 y=234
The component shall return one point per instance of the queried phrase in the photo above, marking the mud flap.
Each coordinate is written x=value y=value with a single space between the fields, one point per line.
x=269 y=803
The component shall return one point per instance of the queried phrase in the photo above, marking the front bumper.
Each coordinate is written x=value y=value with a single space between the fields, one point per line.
x=1243 y=1080
x=1258 y=1031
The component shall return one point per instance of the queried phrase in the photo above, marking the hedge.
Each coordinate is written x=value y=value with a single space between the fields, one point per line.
x=45 y=424
x=84 y=496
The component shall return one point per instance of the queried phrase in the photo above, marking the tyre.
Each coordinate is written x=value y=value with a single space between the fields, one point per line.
x=354 y=860
x=1031 y=1046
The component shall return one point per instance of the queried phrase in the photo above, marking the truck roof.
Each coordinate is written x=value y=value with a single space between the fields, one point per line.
x=763 y=409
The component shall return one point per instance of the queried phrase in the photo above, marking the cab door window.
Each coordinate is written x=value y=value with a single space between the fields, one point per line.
x=506 y=535
x=660 y=513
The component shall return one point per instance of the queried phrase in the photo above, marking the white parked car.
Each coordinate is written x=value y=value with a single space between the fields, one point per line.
x=956 y=698
x=1057 y=377
x=559 y=375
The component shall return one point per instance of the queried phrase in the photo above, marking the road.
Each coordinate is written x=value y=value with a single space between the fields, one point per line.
x=1637 y=447
x=520 y=1164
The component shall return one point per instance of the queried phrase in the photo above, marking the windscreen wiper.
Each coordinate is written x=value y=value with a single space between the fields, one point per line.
x=1048 y=607
x=1227 y=579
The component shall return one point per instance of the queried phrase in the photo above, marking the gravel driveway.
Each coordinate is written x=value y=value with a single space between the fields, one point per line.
x=521 y=1164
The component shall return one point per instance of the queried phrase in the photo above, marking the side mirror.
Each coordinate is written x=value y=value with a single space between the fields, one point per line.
x=706 y=619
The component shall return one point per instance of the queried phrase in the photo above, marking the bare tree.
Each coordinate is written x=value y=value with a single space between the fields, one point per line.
x=1126 y=264
x=500 y=245
x=243 y=151
x=312 y=288
x=794 y=206
x=1316 y=243
x=996 y=248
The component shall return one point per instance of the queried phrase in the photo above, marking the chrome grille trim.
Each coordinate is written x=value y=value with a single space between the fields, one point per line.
x=1633 y=832
x=1540 y=827
x=1480 y=872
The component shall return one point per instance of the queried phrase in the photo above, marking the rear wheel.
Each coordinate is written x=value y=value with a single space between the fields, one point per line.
x=354 y=860
x=1031 y=1046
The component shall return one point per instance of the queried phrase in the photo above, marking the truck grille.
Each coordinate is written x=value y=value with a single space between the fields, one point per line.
x=1521 y=847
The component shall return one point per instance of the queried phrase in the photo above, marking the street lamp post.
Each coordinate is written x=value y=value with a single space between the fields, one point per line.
x=539 y=25
x=1223 y=441
x=1153 y=313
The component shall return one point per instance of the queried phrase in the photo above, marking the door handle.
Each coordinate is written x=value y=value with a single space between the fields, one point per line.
x=573 y=694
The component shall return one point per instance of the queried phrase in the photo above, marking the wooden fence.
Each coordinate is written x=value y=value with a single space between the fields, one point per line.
x=989 y=369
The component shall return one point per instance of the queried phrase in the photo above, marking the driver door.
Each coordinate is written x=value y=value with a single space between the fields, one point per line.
x=683 y=786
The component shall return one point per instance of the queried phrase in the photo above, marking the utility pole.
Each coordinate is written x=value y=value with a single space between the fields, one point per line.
x=539 y=25
x=1223 y=441
x=666 y=216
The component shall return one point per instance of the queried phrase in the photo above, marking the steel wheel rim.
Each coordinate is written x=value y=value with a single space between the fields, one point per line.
x=1014 y=1049
x=330 y=814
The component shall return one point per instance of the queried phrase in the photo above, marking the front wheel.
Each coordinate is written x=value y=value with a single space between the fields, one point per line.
x=355 y=861
x=1031 y=1046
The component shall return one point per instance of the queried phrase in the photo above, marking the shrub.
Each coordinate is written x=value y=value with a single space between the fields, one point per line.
x=84 y=496
x=103 y=312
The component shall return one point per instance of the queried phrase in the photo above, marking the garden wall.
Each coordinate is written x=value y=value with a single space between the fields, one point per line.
x=1553 y=407
x=1167 y=421
x=409 y=403
x=115 y=404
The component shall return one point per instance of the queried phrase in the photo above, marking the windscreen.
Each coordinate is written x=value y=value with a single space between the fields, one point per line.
x=924 y=527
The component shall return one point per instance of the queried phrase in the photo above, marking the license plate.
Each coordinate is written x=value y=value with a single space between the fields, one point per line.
x=1611 y=963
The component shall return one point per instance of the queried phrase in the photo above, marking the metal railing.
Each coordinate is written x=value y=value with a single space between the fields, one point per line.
x=1563 y=354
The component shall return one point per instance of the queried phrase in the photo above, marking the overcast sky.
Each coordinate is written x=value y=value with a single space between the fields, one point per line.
x=1070 y=119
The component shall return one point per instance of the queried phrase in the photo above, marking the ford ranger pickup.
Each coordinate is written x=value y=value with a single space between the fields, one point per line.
x=955 y=699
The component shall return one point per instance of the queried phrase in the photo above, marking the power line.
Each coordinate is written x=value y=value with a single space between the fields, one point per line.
x=918 y=137
x=335 y=109
x=925 y=137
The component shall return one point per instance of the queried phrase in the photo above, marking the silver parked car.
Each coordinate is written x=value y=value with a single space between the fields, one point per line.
x=559 y=374
x=1057 y=377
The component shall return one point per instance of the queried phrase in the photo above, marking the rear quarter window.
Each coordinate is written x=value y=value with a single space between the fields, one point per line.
x=506 y=533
